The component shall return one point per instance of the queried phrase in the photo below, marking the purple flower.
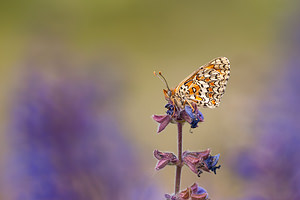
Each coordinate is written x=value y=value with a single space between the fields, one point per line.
x=175 y=114
x=211 y=163
x=198 y=161
x=193 y=192
x=196 y=116
x=198 y=193
x=164 y=159
x=163 y=121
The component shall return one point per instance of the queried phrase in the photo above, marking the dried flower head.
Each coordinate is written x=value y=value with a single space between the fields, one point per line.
x=191 y=115
x=193 y=192
x=198 y=161
x=164 y=159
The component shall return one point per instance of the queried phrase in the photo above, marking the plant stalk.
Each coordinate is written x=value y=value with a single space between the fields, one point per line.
x=179 y=149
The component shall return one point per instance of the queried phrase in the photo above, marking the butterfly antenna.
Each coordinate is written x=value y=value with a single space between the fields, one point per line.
x=162 y=78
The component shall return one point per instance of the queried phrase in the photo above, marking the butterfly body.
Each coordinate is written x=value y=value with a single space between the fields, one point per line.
x=204 y=87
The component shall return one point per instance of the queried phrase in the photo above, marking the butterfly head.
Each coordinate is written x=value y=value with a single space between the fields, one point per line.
x=168 y=93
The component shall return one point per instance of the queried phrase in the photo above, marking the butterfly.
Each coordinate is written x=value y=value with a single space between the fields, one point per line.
x=204 y=87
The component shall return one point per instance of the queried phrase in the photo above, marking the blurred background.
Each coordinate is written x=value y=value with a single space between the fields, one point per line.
x=78 y=92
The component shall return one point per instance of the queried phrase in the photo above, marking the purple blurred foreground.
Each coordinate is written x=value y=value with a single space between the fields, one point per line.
x=65 y=144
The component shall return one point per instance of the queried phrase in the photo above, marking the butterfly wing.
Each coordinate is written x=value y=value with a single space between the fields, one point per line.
x=205 y=86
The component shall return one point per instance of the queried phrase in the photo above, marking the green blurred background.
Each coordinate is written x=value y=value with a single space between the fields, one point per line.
x=138 y=37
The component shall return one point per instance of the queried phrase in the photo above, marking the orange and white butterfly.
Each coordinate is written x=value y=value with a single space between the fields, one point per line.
x=204 y=87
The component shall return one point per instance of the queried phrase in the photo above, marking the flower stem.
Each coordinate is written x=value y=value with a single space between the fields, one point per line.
x=178 y=167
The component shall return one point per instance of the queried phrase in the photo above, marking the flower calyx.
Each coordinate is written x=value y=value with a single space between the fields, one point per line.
x=201 y=161
x=193 y=192
x=176 y=115
x=164 y=159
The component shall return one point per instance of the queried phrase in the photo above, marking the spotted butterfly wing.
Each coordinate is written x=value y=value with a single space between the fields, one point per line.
x=205 y=86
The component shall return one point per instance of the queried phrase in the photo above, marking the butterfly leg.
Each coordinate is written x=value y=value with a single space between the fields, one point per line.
x=173 y=101
x=186 y=101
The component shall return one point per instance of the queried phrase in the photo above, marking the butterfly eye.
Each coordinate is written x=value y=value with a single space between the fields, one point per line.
x=169 y=93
